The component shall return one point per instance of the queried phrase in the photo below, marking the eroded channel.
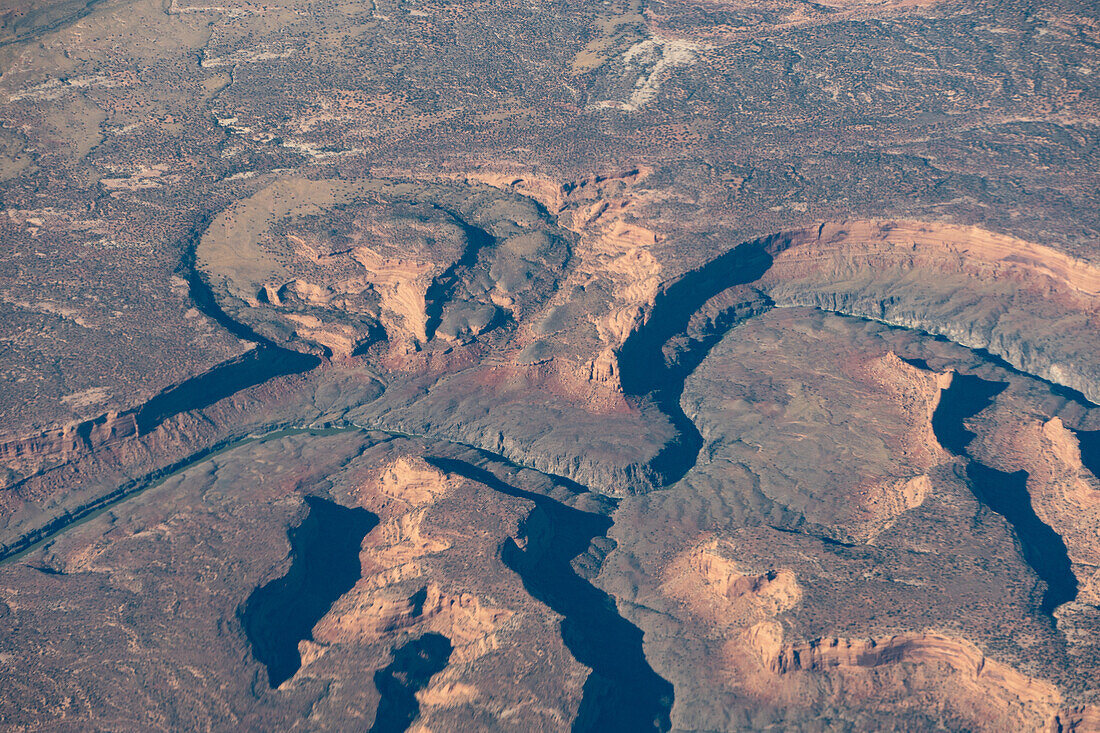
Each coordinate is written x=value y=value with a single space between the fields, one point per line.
x=1004 y=493
x=412 y=667
x=325 y=565
x=622 y=692
x=643 y=369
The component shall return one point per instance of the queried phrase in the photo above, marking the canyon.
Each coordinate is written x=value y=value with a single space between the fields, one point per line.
x=590 y=366
x=925 y=452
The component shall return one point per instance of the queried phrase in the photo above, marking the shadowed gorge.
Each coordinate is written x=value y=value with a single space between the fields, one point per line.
x=964 y=398
x=643 y=367
x=622 y=692
x=324 y=565
x=256 y=367
x=1004 y=493
x=601 y=365
x=413 y=665
x=1089 y=441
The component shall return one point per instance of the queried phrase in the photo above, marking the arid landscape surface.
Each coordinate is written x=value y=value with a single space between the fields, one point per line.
x=694 y=365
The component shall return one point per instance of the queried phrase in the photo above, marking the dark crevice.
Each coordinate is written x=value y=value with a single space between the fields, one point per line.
x=256 y=367
x=918 y=363
x=413 y=665
x=966 y=396
x=818 y=535
x=1042 y=547
x=1089 y=440
x=643 y=369
x=622 y=692
x=1004 y=493
x=442 y=288
x=325 y=565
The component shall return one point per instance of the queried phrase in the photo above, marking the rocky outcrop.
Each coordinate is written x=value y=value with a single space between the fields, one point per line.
x=29 y=455
x=413 y=480
x=614 y=275
x=332 y=266
x=402 y=285
x=983 y=290
x=433 y=567
x=471 y=625
x=721 y=593
x=1066 y=496
x=949 y=672
x=916 y=393
x=881 y=502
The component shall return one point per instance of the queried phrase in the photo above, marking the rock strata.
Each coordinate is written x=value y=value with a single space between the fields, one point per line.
x=977 y=288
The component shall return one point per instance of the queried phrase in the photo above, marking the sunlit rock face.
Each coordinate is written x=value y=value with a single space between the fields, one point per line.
x=593 y=365
x=980 y=289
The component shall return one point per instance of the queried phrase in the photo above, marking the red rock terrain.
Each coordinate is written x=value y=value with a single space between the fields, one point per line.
x=693 y=365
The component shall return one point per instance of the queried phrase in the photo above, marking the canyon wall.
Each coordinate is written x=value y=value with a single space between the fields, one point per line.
x=1013 y=298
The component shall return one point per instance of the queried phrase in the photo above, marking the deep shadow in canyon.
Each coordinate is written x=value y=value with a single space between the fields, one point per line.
x=643 y=370
x=325 y=564
x=255 y=367
x=412 y=667
x=267 y=361
x=622 y=692
x=964 y=398
x=1089 y=441
x=1004 y=493
x=1042 y=547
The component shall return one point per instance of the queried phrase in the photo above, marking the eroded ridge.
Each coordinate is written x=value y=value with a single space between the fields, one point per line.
x=782 y=396
x=259 y=251
x=978 y=288
x=916 y=275
x=970 y=684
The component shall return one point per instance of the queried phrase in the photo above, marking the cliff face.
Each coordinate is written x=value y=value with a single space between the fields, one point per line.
x=950 y=673
x=1014 y=298
x=28 y=455
x=1063 y=493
